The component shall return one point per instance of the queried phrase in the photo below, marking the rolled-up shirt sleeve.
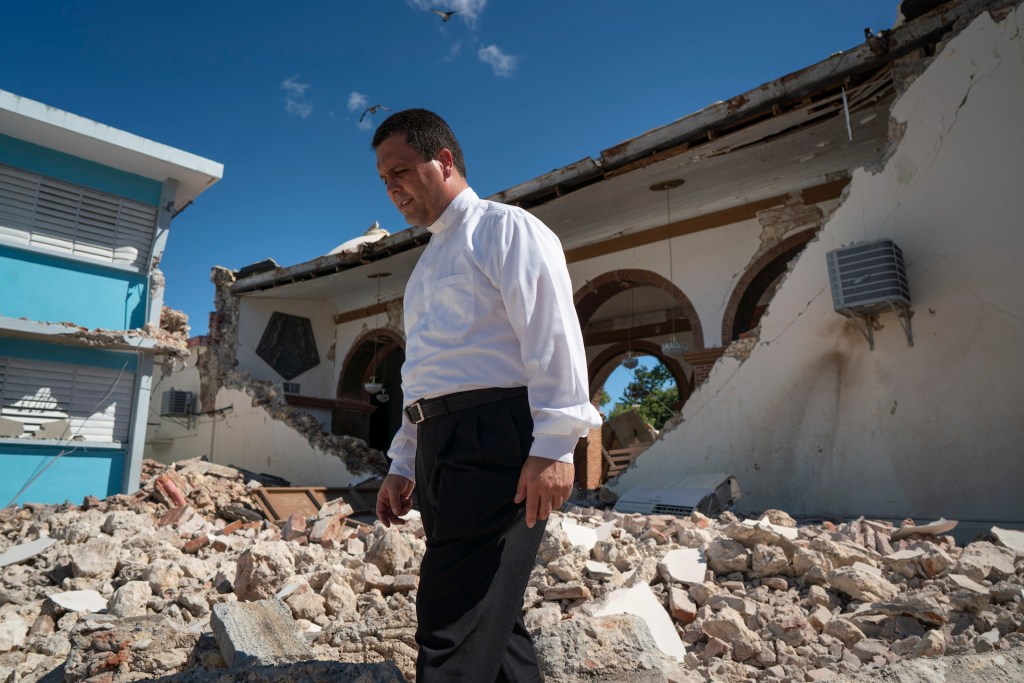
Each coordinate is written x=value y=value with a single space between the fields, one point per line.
x=528 y=267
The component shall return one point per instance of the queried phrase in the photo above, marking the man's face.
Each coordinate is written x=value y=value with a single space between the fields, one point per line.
x=415 y=185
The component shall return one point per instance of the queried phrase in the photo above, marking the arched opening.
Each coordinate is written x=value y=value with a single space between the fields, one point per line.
x=376 y=354
x=636 y=310
x=755 y=290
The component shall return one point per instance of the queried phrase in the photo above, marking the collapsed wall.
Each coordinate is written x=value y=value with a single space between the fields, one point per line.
x=808 y=417
x=221 y=384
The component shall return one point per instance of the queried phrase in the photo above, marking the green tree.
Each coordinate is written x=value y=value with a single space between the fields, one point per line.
x=652 y=392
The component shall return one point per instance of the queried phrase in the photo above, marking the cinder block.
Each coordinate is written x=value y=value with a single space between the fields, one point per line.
x=258 y=633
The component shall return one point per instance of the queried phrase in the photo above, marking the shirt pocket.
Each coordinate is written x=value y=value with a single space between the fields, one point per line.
x=451 y=306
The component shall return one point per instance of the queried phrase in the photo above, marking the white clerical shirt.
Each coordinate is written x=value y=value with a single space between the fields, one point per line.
x=490 y=304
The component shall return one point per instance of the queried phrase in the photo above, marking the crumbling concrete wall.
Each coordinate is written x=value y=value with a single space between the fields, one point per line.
x=247 y=423
x=816 y=422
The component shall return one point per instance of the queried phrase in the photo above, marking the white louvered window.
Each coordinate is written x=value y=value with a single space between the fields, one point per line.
x=94 y=403
x=40 y=211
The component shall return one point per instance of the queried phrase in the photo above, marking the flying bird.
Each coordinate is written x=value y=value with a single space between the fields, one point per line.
x=445 y=16
x=372 y=110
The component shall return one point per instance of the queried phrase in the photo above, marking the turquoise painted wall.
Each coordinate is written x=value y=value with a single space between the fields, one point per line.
x=48 y=162
x=76 y=355
x=81 y=471
x=51 y=289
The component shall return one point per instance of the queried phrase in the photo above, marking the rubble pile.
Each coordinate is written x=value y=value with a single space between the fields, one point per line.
x=155 y=584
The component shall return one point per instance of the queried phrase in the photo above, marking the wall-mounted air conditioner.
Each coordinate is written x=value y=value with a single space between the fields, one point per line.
x=176 y=403
x=867 y=279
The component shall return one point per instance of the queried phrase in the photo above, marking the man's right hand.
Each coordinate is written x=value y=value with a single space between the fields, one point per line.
x=394 y=499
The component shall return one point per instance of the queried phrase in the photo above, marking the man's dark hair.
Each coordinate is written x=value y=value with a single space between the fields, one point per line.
x=425 y=131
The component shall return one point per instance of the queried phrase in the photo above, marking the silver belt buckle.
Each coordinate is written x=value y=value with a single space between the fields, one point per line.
x=419 y=410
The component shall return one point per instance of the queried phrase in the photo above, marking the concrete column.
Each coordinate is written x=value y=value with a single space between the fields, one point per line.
x=140 y=413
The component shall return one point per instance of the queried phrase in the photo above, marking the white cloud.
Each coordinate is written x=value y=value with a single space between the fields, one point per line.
x=297 y=108
x=467 y=10
x=295 y=98
x=455 y=51
x=357 y=101
x=503 y=64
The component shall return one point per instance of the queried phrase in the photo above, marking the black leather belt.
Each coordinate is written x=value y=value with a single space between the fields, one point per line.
x=426 y=408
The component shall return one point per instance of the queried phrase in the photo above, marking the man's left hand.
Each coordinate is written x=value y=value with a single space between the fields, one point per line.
x=544 y=484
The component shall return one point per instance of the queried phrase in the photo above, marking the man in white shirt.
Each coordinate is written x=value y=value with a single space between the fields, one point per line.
x=495 y=385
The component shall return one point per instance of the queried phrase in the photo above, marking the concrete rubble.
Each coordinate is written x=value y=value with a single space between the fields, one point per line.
x=178 y=582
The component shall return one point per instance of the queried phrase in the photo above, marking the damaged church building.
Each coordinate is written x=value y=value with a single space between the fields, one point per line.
x=85 y=212
x=731 y=245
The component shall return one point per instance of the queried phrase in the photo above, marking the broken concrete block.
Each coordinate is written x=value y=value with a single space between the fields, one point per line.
x=339 y=598
x=805 y=559
x=598 y=570
x=258 y=633
x=767 y=560
x=789 y=625
x=96 y=558
x=130 y=600
x=685 y=565
x=843 y=630
x=923 y=608
x=932 y=645
x=820 y=616
x=641 y=602
x=13 y=631
x=80 y=601
x=611 y=648
x=392 y=550
x=25 y=551
x=906 y=563
x=983 y=560
x=729 y=626
x=163 y=576
x=715 y=648
x=726 y=555
x=262 y=568
x=1009 y=538
x=859 y=583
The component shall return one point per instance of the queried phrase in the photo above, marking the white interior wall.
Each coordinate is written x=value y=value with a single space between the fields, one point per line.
x=816 y=423
x=253 y=317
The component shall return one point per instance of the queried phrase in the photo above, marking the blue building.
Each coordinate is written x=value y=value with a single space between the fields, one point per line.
x=85 y=211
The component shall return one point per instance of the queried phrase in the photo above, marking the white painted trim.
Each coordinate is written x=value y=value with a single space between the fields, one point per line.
x=55 y=332
x=91 y=445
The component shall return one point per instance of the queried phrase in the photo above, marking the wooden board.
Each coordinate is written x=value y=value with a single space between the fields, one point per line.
x=278 y=503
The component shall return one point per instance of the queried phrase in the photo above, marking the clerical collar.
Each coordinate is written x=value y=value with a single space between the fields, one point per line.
x=451 y=213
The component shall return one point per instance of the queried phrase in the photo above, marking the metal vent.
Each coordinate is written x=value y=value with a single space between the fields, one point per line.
x=679 y=510
x=176 y=403
x=868 y=278
x=292 y=388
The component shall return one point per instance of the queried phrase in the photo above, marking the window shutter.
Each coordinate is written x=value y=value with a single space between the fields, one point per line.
x=38 y=210
x=95 y=401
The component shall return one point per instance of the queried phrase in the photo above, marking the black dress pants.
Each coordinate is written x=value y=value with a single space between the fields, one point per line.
x=479 y=550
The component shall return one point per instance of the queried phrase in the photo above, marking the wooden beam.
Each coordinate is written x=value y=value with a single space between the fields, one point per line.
x=360 y=313
x=716 y=219
x=637 y=333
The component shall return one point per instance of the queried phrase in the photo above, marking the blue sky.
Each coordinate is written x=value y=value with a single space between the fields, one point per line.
x=274 y=91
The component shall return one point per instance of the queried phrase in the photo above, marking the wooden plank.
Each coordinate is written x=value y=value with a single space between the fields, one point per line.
x=360 y=313
x=278 y=503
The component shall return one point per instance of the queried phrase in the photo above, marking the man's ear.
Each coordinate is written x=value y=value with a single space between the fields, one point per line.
x=447 y=161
